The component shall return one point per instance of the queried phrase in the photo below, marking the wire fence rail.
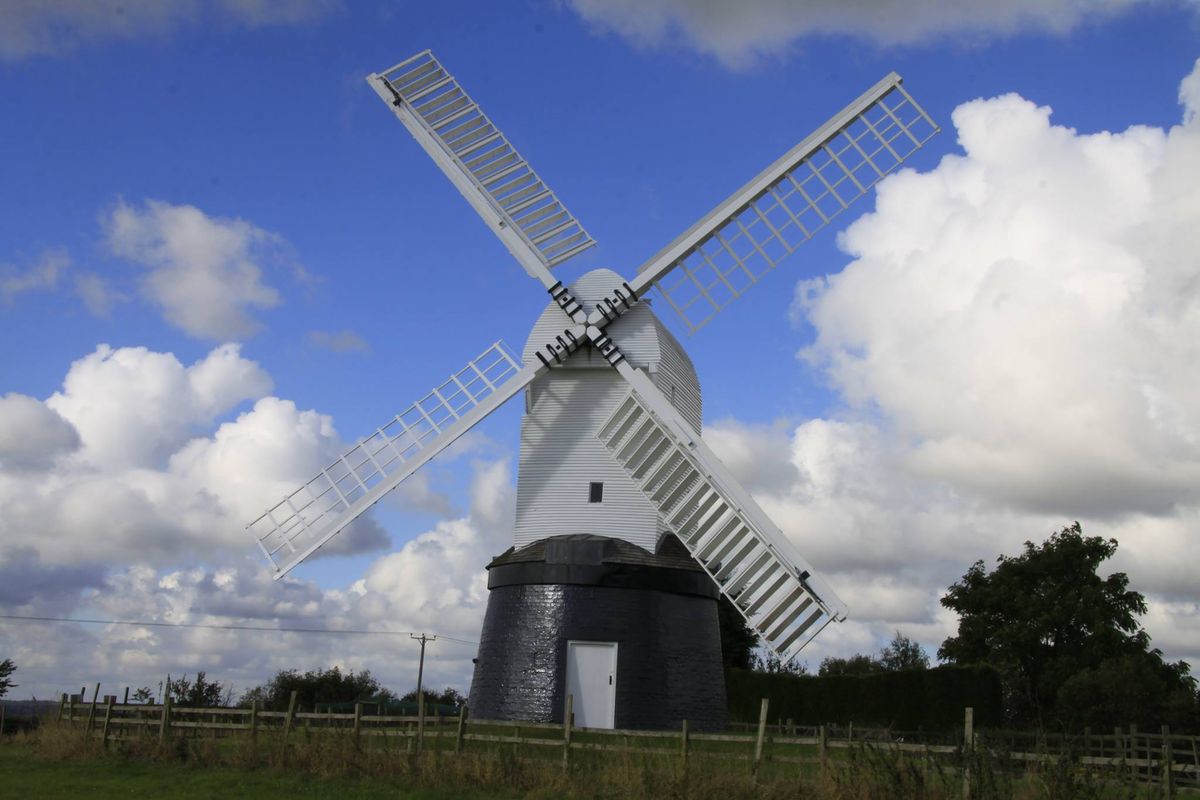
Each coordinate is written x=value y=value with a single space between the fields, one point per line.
x=1171 y=761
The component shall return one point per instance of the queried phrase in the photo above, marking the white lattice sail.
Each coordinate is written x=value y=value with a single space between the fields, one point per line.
x=466 y=144
x=750 y=560
x=310 y=516
x=734 y=246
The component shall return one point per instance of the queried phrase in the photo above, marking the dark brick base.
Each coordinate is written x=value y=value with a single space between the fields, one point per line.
x=668 y=654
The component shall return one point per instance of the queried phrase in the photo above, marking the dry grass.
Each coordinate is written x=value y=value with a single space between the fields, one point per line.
x=865 y=773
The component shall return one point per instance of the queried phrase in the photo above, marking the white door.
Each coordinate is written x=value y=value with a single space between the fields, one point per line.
x=592 y=682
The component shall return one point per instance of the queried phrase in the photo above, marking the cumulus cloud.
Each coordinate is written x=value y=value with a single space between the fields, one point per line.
x=739 y=33
x=31 y=433
x=1026 y=313
x=1015 y=342
x=436 y=583
x=119 y=491
x=97 y=294
x=43 y=275
x=48 y=27
x=204 y=273
x=133 y=406
x=126 y=449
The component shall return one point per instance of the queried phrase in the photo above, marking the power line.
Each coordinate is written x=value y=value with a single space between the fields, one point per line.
x=137 y=623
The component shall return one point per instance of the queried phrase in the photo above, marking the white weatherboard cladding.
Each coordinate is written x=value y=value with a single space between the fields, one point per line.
x=560 y=454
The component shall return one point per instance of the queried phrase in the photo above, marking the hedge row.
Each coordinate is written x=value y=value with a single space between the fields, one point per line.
x=929 y=699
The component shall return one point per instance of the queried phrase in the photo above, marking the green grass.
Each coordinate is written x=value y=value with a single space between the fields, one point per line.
x=26 y=774
x=58 y=761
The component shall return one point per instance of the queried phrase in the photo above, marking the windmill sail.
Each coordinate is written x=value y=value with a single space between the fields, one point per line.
x=316 y=512
x=517 y=205
x=750 y=559
x=737 y=243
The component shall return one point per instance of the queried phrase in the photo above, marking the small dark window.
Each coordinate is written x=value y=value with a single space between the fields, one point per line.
x=595 y=492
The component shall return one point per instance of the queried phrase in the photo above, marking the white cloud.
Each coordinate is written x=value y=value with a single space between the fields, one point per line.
x=436 y=584
x=97 y=294
x=1016 y=341
x=204 y=273
x=45 y=27
x=117 y=492
x=739 y=33
x=124 y=448
x=133 y=407
x=32 y=434
x=1026 y=314
x=41 y=276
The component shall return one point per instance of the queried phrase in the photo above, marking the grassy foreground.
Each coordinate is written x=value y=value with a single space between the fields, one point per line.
x=57 y=761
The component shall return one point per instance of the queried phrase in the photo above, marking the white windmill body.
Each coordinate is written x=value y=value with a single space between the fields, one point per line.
x=628 y=528
x=560 y=455
x=594 y=581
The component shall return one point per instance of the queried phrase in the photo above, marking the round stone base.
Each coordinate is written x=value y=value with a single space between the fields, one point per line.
x=659 y=608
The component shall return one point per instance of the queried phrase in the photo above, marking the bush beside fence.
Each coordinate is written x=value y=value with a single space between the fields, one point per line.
x=929 y=699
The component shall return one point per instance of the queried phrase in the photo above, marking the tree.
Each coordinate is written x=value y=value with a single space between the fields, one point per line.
x=1046 y=617
x=315 y=686
x=854 y=665
x=7 y=668
x=143 y=695
x=903 y=653
x=202 y=693
x=448 y=697
x=773 y=665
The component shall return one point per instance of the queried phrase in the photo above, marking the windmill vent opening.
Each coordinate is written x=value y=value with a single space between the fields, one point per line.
x=595 y=492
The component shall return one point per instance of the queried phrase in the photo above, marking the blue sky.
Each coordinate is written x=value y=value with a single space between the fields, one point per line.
x=130 y=144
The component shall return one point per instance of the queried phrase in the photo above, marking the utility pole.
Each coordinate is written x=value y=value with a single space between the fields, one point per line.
x=420 y=694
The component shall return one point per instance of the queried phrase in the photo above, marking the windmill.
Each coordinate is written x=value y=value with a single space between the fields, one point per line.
x=628 y=528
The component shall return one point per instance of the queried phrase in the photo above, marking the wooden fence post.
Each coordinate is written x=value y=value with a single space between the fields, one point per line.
x=420 y=721
x=968 y=749
x=568 y=718
x=254 y=726
x=1133 y=751
x=62 y=706
x=821 y=747
x=125 y=702
x=462 y=724
x=791 y=727
x=762 y=732
x=684 y=743
x=1168 y=758
x=108 y=711
x=3 y=707
x=92 y=712
x=164 y=725
x=291 y=716
x=357 y=722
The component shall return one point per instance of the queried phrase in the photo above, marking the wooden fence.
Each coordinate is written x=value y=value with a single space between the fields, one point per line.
x=1170 y=761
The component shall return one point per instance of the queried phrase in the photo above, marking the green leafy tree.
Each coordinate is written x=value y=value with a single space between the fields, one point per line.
x=200 y=693
x=315 y=686
x=447 y=697
x=903 y=653
x=7 y=668
x=773 y=665
x=854 y=665
x=1046 y=617
x=143 y=695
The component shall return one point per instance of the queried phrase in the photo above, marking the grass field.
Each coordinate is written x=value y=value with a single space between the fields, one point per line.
x=58 y=761
x=25 y=773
